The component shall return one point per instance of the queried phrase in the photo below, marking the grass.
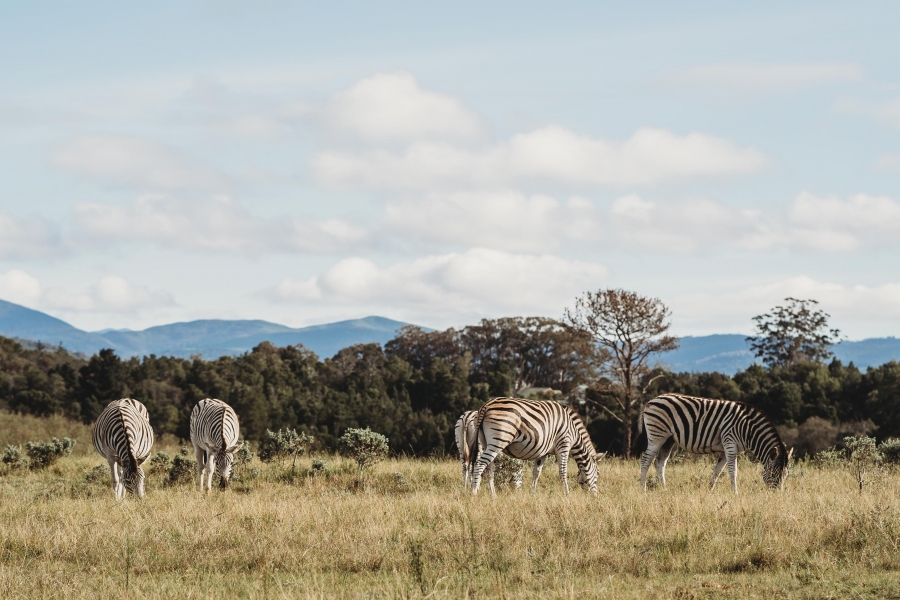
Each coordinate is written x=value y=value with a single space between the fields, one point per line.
x=408 y=530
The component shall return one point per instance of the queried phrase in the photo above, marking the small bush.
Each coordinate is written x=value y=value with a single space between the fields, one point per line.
x=159 y=464
x=242 y=457
x=98 y=474
x=364 y=446
x=863 y=456
x=43 y=454
x=832 y=457
x=12 y=456
x=508 y=471
x=182 y=468
x=319 y=466
x=283 y=444
x=890 y=450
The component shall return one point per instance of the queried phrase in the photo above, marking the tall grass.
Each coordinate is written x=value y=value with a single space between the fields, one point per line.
x=408 y=530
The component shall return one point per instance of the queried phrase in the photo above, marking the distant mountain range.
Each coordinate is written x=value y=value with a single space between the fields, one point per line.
x=728 y=353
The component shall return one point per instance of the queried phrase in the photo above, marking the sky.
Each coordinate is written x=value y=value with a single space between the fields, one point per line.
x=438 y=164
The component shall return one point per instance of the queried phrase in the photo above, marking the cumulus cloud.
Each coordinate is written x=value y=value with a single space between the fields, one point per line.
x=27 y=238
x=134 y=161
x=517 y=222
x=762 y=78
x=551 y=154
x=112 y=294
x=392 y=106
x=836 y=225
x=217 y=223
x=887 y=162
x=20 y=287
x=477 y=281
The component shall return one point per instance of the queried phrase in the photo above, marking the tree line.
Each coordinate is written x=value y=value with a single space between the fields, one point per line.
x=598 y=358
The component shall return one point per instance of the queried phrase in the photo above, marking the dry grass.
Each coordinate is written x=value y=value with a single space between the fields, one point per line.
x=410 y=531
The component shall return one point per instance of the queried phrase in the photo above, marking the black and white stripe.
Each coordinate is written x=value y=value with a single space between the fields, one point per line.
x=530 y=430
x=214 y=434
x=706 y=426
x=123 y=436
x=465 y=436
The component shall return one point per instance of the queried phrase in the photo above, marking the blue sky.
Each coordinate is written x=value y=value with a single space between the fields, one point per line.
x=439 y=164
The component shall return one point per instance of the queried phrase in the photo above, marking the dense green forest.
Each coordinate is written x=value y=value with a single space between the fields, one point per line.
x=414 y=388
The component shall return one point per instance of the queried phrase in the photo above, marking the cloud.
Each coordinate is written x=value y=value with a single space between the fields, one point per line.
x=27 y=238
x=514 y=221
x=762 y=78
x=835 y=225
x=134 y=161
x=388 y=107
x=887 y=162
x=855 y=306
x=112 y=294
x=20 y=287
x=478 y=281
x=551 y=154
x=216 y=223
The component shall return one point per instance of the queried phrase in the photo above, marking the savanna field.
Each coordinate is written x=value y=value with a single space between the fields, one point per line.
x=407 y=529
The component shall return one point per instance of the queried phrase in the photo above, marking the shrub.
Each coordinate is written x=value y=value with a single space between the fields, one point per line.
x=890 y=450
x=863 y=455
x=160 y=462
x=13 y=457
x=43 y=454
x=182 y=468
x=242 y=457
x=98 y=474
x=319 y=466
x=830 y=458
x=508 y=471
x=283 y=444
x=364 y=446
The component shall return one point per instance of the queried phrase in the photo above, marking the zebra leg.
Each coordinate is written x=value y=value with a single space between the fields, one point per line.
x=200 y=455
x=210 y=469
x=562 y=457
x=716 y=470
x=484 y=461
x=536 y=472
x=650 y=453
x=662 y=458
x=489 y=471
x=116 y=483
x=732 y=469
x=465 y=472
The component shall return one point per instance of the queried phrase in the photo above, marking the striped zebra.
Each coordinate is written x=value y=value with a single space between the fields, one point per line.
x=123 y=436
x=465 y=435
x=530 y=430
x=214 y=434
x=705 y=426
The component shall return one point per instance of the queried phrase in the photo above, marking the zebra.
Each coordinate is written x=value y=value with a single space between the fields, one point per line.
x=706 y=426
x=214 y=434
x=465 y=435
x=123 y=436
x=530 y=430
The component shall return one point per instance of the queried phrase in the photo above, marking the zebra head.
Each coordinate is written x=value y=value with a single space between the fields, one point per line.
x=775 y=467
x=133 y=478
x=587 y=474
x=224 y=462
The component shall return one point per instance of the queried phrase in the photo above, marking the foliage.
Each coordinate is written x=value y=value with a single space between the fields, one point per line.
x=629 y=328
x=242 y=457
x=364 y=446
x=319 y=466
x=793 y=334
x=13 y=457
x=183 y=467
x=862 y=454
x=160 y=463
x=508 y=471
x=283 y=444
x=43 y=454
x=890 y=451
x=833 y=457
x=98 y=474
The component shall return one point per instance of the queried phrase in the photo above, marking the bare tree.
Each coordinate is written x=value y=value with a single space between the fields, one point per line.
x=792 y=334
x=630 y=327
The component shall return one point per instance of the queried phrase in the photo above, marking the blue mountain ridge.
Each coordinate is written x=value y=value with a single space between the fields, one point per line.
x=212 y=338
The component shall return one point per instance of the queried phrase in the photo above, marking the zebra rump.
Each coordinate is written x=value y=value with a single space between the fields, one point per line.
x=124 y=437
x=708 y=426
x=214 y=433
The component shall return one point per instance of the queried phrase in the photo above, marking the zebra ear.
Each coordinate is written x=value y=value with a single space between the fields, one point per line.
x=599 y=457
x=232 y=449
x=790 y=453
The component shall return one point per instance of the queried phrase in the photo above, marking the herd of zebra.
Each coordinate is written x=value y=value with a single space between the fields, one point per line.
x=523 y=429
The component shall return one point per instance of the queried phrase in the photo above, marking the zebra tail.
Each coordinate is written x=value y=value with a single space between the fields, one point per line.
x=473 y=443
x=641 y=435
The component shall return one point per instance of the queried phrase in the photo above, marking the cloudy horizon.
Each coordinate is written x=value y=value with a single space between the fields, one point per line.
x=439 y=165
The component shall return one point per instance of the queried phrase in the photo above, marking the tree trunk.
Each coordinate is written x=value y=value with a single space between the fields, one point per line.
x=628 y=418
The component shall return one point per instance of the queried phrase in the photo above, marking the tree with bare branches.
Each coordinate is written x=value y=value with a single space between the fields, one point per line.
x=631 y=328
x=792 y=334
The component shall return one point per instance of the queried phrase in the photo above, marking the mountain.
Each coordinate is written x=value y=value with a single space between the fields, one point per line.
x=730 y=353
x=212 y=338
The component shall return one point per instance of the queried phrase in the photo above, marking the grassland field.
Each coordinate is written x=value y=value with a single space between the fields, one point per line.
x=407 y=529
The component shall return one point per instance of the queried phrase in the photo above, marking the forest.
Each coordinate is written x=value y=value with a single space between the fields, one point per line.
x=414 y=388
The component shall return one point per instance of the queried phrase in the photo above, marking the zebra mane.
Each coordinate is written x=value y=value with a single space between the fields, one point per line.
x=129 y=435
x=778 y=443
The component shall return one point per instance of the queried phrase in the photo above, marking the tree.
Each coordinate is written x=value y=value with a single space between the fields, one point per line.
x=630 y=327
x=792 y=334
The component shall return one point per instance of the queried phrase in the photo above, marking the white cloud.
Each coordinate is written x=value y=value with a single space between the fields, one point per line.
x=855 y=307
x=550 y=154
x=888 y=162
x=516 y=222
x=20 y=287
x=388 y=107
x=27 y=238
x=134 y=161
x=216 y=223
x=760 y=78
x=478 y=281
x=836 y=225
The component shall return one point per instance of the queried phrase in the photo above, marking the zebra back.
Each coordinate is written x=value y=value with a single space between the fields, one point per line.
x=214 y=424
x=124 y=428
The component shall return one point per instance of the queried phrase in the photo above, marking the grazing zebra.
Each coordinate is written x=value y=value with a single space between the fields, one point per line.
x=465 y=436
x=530 y=430
x=122 y=435
x=214 y=433
x=705 y=426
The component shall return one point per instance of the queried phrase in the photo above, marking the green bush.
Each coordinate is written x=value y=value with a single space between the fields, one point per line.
x=183 y=467
x=43 y=454
x=890 y=450
x=319 y=466
x=98 y=474
x=242 y=457
x=863 y=456
x=832 y=457
x=508 y=471
x=160 y=462
x=283 y=444
x=364 y=446
x=12 y=456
